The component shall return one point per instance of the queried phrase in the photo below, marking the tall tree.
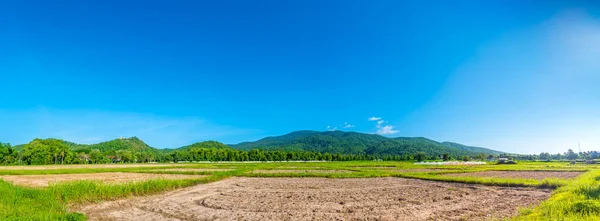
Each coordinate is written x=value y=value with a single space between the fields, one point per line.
x=420 y=156
x=571 y=155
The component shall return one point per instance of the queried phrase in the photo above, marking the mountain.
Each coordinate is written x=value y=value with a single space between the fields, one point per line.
x=360 y=143
x=71 y=145
x=470 y=148
x=205 y=144
x=313 y=141
x=132 y=144
x=19 y=147
x=330 y=141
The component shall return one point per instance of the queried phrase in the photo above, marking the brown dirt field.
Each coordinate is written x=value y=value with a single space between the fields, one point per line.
x=537 y=175
x=301 y=171
x=194 y=169
x=293 y=167
x=416 y=170
x=323 y=199
x=45 y=180
x=83 y=166
x=406 y=170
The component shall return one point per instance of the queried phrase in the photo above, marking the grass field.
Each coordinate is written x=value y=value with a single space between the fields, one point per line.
x=572 y=199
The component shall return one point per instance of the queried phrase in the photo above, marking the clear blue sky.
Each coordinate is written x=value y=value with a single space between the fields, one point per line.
x=518 y=76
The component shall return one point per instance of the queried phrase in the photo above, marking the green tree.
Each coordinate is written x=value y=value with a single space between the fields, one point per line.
x=480 y=157
x=420 y=156
x=45 y=151
x=571 y=155
x=544 y=156
x=125 y=156
x=98 y=157
x=6 y=152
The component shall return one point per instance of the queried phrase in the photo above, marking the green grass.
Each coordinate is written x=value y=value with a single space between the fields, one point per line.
x=51 y=203
x=577 y=199
x=20 y=203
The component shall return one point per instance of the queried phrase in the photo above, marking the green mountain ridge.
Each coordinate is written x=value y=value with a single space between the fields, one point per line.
x=204 y=144
x=119 y=144
x=332 y=142
x=133 y=144
x=360 y=143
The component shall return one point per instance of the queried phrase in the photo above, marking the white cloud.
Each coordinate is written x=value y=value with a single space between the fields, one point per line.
x=381 y=128
x=347 y=125
x=385 y=130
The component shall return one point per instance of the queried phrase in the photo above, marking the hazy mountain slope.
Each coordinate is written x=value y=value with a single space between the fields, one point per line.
x=471 y=148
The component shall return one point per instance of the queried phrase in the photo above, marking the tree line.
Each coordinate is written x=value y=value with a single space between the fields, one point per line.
x=54 y=151
x=132 y=150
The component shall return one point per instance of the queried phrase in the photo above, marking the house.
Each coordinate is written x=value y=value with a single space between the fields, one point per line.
x=504 y=160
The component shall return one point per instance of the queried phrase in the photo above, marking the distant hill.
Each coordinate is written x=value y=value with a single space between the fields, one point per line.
x=132 y=144
x=359 y=143
x=471 y=148
x=314 y=141
x=19 y=147
x=205 y=144
x=71 y=145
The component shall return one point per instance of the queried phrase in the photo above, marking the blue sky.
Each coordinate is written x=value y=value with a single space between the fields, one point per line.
x=516 y=76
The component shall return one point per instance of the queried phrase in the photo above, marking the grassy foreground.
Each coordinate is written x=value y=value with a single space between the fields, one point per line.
x=23 y=203
x=577 y=199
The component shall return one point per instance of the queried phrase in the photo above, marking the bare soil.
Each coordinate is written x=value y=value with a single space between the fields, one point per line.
x=83 y=166
x=419 y=170
x=301 y=171
x=45 y=180
x=406 y=170
x=537 y=175
x=323 y=199
x=194 y=169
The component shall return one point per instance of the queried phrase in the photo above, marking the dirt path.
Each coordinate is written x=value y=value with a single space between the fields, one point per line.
x=323 y=199
x=194 y=170
x=117 y=177
x=301 y=171
x=85 y=166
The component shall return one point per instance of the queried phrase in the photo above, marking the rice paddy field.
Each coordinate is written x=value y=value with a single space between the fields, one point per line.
x=301 y=191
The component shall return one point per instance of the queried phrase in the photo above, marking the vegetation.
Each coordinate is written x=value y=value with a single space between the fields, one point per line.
x=7 y=153
x=361 y=154
x=359 y=143
x=328 y=146
x=20 y=203
x=573 y=200
x=297 y=146
x=578 y=200
x=23 y=203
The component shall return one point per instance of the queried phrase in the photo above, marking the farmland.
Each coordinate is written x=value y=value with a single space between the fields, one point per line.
x=300 y=190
